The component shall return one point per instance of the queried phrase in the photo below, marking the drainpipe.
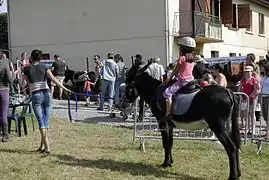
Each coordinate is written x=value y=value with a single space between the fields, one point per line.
x=267 y=43
x=193 y=18
x=9 y=35
x=167 y=33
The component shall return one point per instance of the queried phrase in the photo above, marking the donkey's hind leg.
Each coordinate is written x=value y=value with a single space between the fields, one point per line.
x=167 y=140
x=230 y=148
x=236 y=138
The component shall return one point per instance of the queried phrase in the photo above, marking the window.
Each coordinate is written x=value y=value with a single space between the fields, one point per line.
x=232 y=54
x=235 y=15
x=240 y=54
x=214 y=8
x=261 y=23
x=214 y=54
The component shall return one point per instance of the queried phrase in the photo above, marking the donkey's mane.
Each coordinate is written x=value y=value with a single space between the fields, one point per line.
x=146 y=86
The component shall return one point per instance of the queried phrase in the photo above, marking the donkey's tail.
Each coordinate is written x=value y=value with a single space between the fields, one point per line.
x=235 y=133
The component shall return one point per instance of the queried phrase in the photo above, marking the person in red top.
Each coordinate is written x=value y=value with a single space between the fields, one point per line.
x=87 y=90
x=251 y=86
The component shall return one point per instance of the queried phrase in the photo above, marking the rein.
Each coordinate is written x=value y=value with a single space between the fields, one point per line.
x=76 y=100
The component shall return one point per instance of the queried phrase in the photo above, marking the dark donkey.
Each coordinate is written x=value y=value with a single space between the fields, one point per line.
x=212 y=107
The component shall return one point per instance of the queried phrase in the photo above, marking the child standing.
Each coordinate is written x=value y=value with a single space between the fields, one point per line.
x=183 y=70
x=87 y=90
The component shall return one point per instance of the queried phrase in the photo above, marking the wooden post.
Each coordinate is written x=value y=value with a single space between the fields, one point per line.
x=87 y=63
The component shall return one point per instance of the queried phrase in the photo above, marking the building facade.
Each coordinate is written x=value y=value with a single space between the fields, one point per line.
x=83 y=28
x=225 y=27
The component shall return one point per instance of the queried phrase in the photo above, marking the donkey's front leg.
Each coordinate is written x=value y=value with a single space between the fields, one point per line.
x=171 y=138
x=166 y=144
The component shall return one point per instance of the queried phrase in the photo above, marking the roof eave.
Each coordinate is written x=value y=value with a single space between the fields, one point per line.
x=263 y=3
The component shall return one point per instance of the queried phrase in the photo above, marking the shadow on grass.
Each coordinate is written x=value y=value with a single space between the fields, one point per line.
x=135 y=169
x=102 y=119
x=18 y=151
x=118 y=122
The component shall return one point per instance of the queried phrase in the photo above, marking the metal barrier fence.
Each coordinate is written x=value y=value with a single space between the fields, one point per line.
x=148 y=128
x=261 y=137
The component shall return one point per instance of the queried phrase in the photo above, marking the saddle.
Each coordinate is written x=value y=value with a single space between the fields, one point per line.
x=189 y=88
x=183 y=97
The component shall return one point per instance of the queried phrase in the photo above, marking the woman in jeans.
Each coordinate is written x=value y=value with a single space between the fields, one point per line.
x=6 y=77
x=36 y=76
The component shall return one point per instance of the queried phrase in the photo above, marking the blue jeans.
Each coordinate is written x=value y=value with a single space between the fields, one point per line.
x=4 y=103
x=105 y=84
x=41 y=101
x=117 y=91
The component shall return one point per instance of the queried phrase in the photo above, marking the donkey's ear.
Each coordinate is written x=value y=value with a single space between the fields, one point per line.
x=144 y=68
x=150 y=61
x=267 y=57
x=132 y=60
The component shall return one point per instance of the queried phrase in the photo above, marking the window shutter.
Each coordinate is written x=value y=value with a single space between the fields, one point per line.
x=185 y=18
x=244 y=16
x=226 y=11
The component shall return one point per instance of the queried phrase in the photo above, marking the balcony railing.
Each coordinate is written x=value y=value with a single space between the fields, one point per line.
x=196 y=23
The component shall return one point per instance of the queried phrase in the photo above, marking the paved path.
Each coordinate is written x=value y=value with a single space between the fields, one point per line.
x=88 y=114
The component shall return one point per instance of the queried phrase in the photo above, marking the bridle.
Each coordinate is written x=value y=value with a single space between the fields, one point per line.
x=132 y=85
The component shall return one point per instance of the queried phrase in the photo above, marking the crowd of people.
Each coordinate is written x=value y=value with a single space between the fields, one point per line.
x=254 y=81
x=110 y=76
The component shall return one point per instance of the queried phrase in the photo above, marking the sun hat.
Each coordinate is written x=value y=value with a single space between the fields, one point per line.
x=248 y=69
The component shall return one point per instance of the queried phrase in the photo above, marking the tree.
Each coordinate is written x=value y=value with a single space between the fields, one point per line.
x=3 y=30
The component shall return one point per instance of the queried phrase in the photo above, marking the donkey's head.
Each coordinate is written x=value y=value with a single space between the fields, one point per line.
x=133 y=76
x=140 y=83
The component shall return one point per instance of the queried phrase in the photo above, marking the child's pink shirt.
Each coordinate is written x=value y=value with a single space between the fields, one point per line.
x=185 y=69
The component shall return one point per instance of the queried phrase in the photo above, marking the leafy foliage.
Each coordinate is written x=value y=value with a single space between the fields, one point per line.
x=3 y=30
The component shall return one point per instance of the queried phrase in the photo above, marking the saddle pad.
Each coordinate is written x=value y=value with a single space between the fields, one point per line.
x=182 y=102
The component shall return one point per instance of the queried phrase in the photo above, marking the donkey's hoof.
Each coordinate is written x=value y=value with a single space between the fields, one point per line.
x=233 y=178
x=165 y=165
x=239 y=174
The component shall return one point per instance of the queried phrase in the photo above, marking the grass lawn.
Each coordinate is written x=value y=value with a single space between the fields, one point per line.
x=96 y=152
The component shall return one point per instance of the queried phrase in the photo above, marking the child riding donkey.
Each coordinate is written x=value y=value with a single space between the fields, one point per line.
x=183 y=71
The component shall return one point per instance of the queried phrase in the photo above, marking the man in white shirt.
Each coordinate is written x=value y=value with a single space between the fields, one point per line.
x=110 y=72
x=156 y=70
